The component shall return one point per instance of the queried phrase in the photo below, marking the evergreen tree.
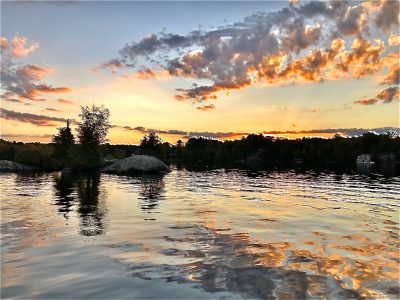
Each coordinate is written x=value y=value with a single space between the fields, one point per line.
x=151 y=144
x=151 y=140
x=63 y=140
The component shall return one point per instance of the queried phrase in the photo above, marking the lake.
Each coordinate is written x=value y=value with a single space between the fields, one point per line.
x=200 y=234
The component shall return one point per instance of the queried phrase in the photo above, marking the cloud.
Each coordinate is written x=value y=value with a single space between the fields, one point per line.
x=146 y=74
x=45 y=88
x=235 y=135
x=24 y=81
x=206 y=107
x=53 y=109
x=354 y=21
x=19 y=46
x=294 y=2
x=307 y=42
x=3 y=43
x=393 y=77
x=34 y=119
x=148 y=130
x=182 y=133
x=25 y=136
x=113 y=65
x=394 y=40
x=366 y=101
x=388 y=15
x=344 y=131
x=65 y=101
x=387 y=96
x=216 y=135
x=33 y=71
x=13 y=100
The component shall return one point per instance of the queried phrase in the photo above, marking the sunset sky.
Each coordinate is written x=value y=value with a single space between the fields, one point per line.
x=217 y=69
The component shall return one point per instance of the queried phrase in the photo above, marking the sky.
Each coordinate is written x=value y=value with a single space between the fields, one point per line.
x=215 y=69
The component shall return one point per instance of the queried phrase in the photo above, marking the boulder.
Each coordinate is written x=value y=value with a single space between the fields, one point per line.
x=8 y=165
x=137 y=164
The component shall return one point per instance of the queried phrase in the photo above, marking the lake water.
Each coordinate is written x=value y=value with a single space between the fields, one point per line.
x=211 y=234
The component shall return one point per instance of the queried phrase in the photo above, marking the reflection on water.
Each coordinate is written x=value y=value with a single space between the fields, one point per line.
x=214 y=234
x=237 y=264
x=151 y=191
x=64 y=187
x=82 y=191
x=92 y=207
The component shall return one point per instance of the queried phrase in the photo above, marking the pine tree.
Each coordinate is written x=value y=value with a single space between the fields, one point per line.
x=63 y=140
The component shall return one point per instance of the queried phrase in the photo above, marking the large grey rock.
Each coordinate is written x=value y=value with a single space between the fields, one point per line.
x=137 y=164
x=8 y=165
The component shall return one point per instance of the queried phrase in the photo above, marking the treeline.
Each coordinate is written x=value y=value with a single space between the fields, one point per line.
x=89 y=148
x=258 y=150
x=253 y=151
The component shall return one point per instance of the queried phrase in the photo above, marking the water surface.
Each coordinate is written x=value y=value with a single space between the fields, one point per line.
x=214 y=234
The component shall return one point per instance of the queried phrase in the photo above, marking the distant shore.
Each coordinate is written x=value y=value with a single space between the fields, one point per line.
x=254 y=152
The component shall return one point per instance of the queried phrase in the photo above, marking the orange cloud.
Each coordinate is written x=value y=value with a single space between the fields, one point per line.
x=362 y=59
x=146 y=74
x=20 y=46
x=206 y=107
x=24 y=81
x=394 y=40
x=36 y=90
x=393 y=77
x=65 y=101
x=276 y=48
x=3 y=43
x=44 y=88
x=34 y=71
x=366 y=101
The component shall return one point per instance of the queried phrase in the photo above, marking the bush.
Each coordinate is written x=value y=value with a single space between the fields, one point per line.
x=38 y=156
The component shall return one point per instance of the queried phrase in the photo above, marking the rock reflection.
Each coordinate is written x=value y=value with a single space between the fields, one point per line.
x=30 y=184
x=92 y=206
x=364 y=169
x=151 y=191
x=64 y=188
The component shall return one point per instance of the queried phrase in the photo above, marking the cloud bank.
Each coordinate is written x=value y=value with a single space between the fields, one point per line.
x=39 y=120
x=310 y=42
x=23 y=81
x=235 y=135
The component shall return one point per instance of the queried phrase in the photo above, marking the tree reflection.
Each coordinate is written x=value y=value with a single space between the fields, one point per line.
x=64 y=187
x=151 y=190
x=92 y=207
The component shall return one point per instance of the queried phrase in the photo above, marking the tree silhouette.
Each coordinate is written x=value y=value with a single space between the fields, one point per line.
x=63 y=140
x=92 y=132
x=180 y=144
x=151 y=140
x=151 y=144
x=94 y=125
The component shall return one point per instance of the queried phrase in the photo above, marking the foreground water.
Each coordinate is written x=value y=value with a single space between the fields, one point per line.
x=215 y=234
